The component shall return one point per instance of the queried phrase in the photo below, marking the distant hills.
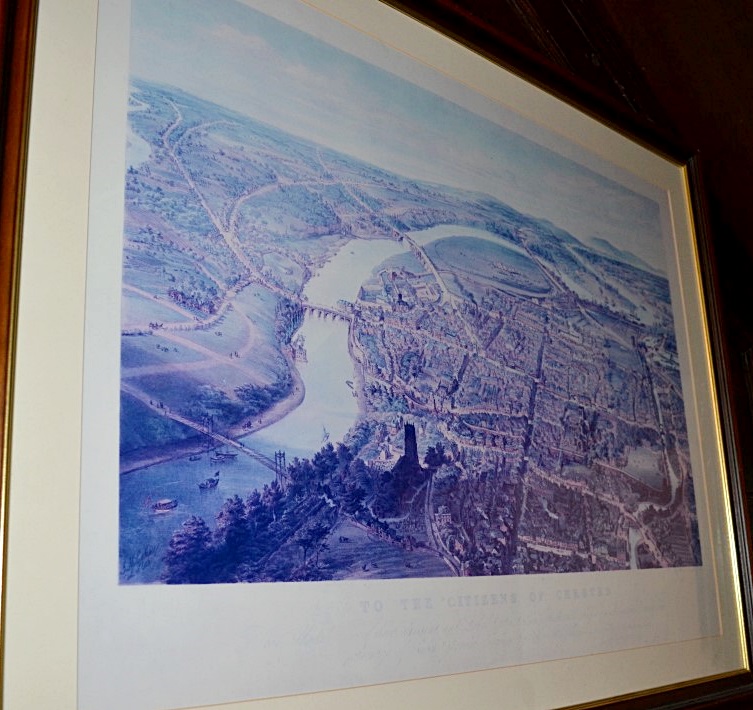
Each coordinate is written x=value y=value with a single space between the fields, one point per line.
x=608 y=249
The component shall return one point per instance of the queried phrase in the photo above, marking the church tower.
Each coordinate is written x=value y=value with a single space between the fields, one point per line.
x=411 y=446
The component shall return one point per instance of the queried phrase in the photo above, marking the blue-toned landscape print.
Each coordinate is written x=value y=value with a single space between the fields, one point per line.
x=369 y=334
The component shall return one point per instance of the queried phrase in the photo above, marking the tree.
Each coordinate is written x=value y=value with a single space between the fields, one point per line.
x=273 y=498
x=325 y=463
x=301 y=474
x=435 y=456
x=189 y=555
x=257 y=515
x=313 y=537
x=304 y=539
x=232 y=530
x=318 y=533
x=352 y=499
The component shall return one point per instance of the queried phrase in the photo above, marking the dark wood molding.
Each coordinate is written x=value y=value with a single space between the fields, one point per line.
x=17 y=39
x=17 y=31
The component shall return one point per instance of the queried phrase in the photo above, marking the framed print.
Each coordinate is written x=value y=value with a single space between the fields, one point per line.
x=375 y=374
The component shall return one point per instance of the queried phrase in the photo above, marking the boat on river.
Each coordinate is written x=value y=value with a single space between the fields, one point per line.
x=210 y=483
x=164 y=505
x=223 y=456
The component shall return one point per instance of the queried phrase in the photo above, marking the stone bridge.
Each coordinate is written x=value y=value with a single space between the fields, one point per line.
x=325 y=312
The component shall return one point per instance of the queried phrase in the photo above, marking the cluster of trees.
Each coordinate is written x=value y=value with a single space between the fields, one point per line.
x=288 y=318
x=259 y=398
x=246 y=537
x=195 y=300
x=280 y=533
x=276 y=534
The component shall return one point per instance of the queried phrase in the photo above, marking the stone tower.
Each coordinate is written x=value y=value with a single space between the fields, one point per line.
x=411 y=446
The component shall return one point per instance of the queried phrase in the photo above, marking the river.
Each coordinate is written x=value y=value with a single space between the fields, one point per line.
x=330 y=407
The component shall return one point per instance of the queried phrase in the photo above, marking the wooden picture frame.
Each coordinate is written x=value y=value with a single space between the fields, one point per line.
x=17 y=22
x=45 y=373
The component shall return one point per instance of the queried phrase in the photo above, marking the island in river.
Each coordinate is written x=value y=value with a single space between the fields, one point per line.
x=497 y=396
